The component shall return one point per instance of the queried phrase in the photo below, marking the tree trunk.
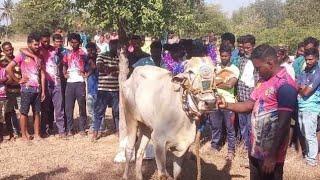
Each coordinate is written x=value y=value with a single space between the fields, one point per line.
x=123 y=75
x=7 y=29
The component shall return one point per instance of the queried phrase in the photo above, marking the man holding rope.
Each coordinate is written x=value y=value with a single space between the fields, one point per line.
x=272 y=103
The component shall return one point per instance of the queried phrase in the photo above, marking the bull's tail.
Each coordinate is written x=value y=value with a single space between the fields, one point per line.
x=197 y=144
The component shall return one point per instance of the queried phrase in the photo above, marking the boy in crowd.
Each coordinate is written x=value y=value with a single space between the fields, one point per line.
x=247 y=81
x=32 y=88
x=13 y=89
x=308 y=101
x=299 y=63
x=92 y=86
x=75 y=62
x=154 y=59
x=4 y=118
x=230 y=74
x=108 y=88
x=53 y=105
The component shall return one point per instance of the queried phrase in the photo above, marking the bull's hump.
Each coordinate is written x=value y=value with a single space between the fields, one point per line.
x=151 y=72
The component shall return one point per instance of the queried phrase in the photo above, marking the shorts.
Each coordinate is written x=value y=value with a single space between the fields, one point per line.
x=30 y=99
x=12 y=103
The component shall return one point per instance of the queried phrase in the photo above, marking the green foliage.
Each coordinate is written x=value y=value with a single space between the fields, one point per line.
x=303 y=12
x=154 y=16
x=279 y=23
x=31 y=15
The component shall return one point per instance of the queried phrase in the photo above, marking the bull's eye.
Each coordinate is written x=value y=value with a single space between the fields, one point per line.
x=206 y=72
x=190 y=72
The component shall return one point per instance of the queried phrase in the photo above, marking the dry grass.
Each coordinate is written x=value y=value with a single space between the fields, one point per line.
x=78 y=158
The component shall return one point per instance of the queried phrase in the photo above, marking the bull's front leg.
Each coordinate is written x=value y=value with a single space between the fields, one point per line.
x=179 y=157
x=160 y=151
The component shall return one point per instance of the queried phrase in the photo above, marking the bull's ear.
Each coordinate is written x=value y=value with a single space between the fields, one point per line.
x=179 y=78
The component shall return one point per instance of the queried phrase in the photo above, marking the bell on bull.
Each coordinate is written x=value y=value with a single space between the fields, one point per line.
x=166 y=109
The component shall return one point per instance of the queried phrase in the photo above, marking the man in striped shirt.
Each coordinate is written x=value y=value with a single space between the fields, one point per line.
x=108 y=87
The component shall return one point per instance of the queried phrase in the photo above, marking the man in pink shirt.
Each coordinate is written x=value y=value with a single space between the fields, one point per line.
x=272 y=102
x=53 y=105
x=32 y=89
x=75 y=63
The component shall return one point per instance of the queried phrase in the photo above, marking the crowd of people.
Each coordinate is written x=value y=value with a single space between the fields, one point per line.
x=276 y=98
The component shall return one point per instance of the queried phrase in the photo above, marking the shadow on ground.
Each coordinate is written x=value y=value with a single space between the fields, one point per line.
x=41 y=175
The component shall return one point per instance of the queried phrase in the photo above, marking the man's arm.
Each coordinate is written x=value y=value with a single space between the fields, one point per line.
x=310 y=87
x=93 y=67
x=240 y=107
x=30 y=54
x=228 y=85
x=9 y=70
x=43 y=86
x=305 y=91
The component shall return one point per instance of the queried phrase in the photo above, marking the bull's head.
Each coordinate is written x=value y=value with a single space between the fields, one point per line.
x=198 y=80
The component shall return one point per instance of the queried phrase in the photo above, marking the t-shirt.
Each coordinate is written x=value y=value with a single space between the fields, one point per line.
x=289 y=69
x=104 y=47
x=228 y=94
x=144 y=61
x=15 y=87
x=29 y=69
x=278 y=93
x=108 y=82
x=51 y=63
x=76 y=62
x=3 y=93
x=92 y=82
x=311 y=79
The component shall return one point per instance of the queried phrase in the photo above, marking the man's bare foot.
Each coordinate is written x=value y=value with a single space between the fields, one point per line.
x=37 y=137
x=94 y=136
x=25 y=139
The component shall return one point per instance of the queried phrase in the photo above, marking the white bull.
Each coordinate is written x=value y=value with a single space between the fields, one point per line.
x=155 y=108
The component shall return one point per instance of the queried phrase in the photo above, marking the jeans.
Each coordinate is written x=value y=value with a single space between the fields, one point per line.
x=91 y=101
x=75 y=91
x=216 y=119
x=257 y=174
x=245 y=128
x=308 y=126
x=53 y=109
x=105 y=99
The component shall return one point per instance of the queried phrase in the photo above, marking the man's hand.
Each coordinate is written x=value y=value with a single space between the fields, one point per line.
x=66 y=75
x=269 y=165
x=23 y=80
x=84 y=75
x=221 y=102
x=43 y=96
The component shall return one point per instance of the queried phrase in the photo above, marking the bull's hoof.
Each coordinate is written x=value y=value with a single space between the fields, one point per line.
x=163 y=177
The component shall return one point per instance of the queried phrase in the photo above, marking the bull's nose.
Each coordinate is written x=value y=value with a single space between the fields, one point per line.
x=210 y=102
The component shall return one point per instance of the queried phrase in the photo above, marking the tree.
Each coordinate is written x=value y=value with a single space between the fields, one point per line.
x=31 y=15
x=247 y=21
x=132 y=16
x=7 y=13
x=271 y=10
x=303 y=12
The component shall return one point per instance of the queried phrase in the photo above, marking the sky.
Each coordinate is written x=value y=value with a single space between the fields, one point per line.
x=230 y=5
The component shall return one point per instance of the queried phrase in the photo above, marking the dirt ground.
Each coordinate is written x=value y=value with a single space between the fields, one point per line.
x=78 y=158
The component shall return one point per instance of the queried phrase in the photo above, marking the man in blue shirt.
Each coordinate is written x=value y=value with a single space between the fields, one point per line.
x=309 y=101
x=92 y=87
x=300 y=63
x=229 y=39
